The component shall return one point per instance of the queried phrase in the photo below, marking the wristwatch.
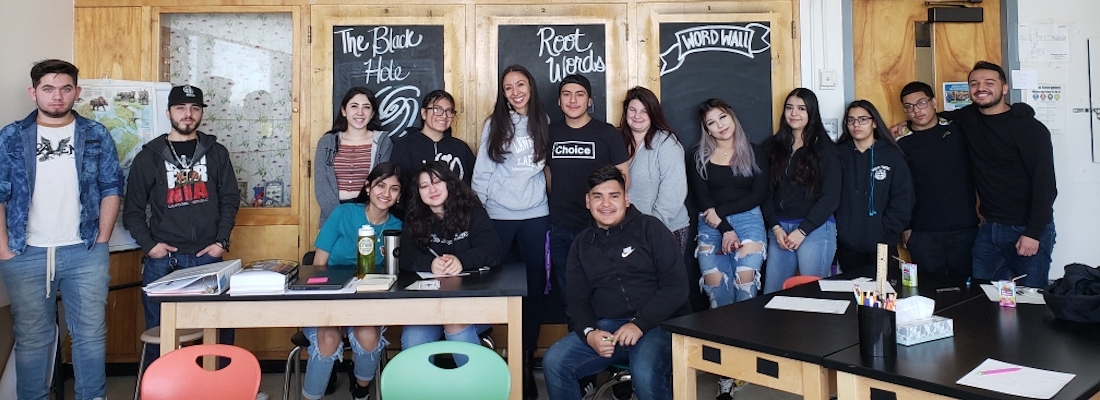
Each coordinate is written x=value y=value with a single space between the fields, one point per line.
x=588 y=330
x=224 y=243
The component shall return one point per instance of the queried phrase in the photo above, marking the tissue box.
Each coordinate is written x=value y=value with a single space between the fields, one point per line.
x=924 y=330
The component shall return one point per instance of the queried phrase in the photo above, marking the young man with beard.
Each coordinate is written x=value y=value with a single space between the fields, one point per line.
x=944 y=222
x=59 y=195
x=186 y=180
x=626 y=276
x=1013 y=162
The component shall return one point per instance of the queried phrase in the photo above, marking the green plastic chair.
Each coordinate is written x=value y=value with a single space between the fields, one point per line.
x=411 y=375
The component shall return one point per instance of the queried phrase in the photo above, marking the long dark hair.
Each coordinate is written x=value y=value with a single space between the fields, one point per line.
x=880 y=132
x=814 y=136
x=457 y=208
x=340 y=121
x=380 y=172
x=657 y=119
x=501 y=131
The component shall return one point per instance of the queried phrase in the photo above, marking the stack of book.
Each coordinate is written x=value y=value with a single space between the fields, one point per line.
x=263 y=277
x=209 y=279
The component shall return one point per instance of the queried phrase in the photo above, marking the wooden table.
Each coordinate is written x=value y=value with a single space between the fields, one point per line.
x=492 y=297
x=783 y=350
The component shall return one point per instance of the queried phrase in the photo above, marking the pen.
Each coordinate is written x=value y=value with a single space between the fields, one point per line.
x=948 y=289
x=434 y=253
x=999 y=371
x=1019 y=277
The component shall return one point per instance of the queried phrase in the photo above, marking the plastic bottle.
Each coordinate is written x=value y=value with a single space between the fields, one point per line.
x=366 y=252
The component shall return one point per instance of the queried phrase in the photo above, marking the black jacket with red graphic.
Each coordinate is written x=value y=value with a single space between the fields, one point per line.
x=189 y=208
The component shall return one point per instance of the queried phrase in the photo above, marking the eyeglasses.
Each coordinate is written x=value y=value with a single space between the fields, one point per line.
x=919 y=105
x=437 y=111
x=858 y=121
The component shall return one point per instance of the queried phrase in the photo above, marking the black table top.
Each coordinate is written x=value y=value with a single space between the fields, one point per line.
x=506 y=280
x=805 y=336
x=1027 y=335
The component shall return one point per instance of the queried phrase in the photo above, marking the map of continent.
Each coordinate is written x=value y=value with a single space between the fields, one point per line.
x=125 y=112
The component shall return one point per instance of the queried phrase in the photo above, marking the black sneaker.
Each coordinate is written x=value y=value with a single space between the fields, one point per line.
x=622 y=391
x=359 y=392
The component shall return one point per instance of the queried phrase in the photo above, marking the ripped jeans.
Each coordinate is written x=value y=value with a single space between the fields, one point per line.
x=749 y=227
x=320 y=366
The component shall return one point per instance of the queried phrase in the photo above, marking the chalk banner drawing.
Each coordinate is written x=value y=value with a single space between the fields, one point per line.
x=748 y=40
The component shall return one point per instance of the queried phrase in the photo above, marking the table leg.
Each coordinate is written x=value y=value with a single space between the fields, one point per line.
x=815 y=382
x=169 y=341
x=515 y=346
x=209 y=336
x=683 y=376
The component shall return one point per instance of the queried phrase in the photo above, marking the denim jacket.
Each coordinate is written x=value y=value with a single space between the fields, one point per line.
x=97 y=169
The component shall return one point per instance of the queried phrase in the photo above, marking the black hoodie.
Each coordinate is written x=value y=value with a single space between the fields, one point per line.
x=876 y=199
x=414 y=149
x=199 y=211
x=631 y=270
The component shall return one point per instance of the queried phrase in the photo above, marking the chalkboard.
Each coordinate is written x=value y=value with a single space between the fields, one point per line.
x=552 y=52
x=730 y=61
x=400 y=63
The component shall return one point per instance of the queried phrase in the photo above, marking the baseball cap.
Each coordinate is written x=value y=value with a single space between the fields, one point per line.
x=185 y=94
x=577 y=79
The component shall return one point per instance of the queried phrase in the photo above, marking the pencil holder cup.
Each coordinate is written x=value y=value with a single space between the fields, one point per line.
x=877 y=332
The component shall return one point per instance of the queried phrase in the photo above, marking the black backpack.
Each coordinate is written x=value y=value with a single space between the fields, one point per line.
x=1076 y=296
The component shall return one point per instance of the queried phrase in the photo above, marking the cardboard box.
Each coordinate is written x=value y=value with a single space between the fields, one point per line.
x=924 y=330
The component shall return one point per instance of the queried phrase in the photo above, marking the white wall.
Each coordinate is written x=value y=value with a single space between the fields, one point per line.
x=1076 y=211
x=821 y=35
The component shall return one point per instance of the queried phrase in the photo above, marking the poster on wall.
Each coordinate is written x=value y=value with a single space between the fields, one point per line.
x=732 y=62
x=1049 y=103
x=552 y=52
x=134 y=113
x=956 y=95
x=399 y=63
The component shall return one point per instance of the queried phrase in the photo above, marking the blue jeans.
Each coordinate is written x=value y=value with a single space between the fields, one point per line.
x=82 y=276
x=995 y=256
x=650 y=361
x=749 y=227
x=813 y=257
x=156 y=268
x=561 y=240
x=415 y=335
x=320 y=366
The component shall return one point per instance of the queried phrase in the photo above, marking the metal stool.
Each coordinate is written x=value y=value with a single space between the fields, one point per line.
x=152 y=336
x=622 y=375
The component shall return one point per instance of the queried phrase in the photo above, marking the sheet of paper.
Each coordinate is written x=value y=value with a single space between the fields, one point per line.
x=824 y=306
x=1044 y=43
x=865 y=285
x=1025 y=79
x=429 y=275
x=1049 y=102
x=424 y=285
x=1027 y=382
x=1024 y=295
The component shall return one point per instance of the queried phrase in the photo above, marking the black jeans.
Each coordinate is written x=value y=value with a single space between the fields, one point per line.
x=943 y=253
x=851 y=260
x=529 y=236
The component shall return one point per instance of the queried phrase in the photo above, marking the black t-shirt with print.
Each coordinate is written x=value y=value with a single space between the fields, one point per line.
x=575 y=153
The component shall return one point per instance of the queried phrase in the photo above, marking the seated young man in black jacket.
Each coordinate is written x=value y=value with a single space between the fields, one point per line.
x=625 y=276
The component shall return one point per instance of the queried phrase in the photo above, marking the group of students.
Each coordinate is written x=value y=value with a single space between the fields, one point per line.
x=799 y=200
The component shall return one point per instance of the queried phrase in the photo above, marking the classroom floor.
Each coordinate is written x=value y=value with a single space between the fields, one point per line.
x=122 y=387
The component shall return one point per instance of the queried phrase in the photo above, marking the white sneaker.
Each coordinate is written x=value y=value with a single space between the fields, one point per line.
x=262 y=396
x=589 y=391
x=727 y=387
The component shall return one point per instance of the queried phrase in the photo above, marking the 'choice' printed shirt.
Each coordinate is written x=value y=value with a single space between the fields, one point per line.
x=575 y=153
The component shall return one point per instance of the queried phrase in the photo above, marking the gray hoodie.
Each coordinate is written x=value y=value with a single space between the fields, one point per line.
x=515 y=189
x=324 y=174
x=658 y=181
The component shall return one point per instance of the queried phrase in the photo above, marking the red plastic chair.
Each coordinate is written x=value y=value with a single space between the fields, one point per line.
x=179 y=375
x=798 y=280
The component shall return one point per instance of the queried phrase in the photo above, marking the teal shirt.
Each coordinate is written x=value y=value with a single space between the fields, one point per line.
x=341 y=231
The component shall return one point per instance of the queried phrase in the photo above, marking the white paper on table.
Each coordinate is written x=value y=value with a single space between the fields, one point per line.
x=865 y=285
x=1027 y=382
x=824 y=306
x=1024 y=295
x=431 y=284
x=429 y=275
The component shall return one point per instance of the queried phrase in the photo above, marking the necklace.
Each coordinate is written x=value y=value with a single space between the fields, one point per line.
x=183 y=166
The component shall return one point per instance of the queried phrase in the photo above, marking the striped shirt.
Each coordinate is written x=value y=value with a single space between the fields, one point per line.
x=352 y=165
